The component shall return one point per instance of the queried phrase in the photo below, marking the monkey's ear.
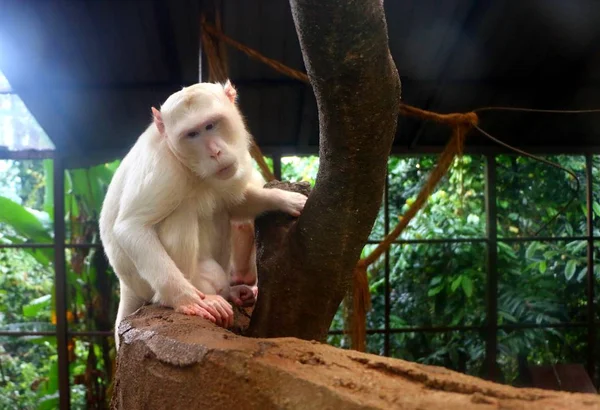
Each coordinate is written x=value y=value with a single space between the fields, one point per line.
x=230 y=91
x=158 y=121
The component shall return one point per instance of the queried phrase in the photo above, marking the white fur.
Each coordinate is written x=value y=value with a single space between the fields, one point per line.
x=165 y=221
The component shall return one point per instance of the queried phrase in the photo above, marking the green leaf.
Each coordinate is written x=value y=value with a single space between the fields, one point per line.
x=582 y=274
x=467 y=286
x=570 y=269
x=459 y=316
x=569 y=229
x=456 y=283
x=70 y=202
x=49 y=187
x=48 y=402
x=550 y=254
x=503 y=247
x=507 y=316
x=24 y=222
x=33 y=308
x=435 y=291
x=396 y=321
x=51 y=387
x=436 y=280
x=577 y=246
x=531 y=250
x=542 y=266
x=40 y=340
x=596 y=207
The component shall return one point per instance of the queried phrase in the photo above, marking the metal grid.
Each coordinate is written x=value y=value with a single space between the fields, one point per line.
x=62 y=331
x=491 y=327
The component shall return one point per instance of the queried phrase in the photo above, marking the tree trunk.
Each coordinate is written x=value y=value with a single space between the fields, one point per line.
x=172 y=361
x=357 y=87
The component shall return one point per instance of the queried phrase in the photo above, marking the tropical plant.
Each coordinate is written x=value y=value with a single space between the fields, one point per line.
x=91 y=285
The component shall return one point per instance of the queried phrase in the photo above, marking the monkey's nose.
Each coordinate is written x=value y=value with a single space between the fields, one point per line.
x=216 y=154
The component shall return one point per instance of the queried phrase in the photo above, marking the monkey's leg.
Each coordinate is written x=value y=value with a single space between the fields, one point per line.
x=244 y=255
x=128 y=303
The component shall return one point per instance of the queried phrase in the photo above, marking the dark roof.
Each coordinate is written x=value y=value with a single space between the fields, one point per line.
x=89 y=71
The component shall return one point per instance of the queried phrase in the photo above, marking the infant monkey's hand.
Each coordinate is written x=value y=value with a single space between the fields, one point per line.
x=243 y=295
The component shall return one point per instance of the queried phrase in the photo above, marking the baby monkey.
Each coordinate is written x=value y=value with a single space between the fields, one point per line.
x=167 y=218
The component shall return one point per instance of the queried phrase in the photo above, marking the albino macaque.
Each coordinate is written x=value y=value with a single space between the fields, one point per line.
x=167 y=219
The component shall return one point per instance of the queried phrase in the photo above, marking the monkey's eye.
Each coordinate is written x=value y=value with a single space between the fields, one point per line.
x=210 y=127
x=193 y=134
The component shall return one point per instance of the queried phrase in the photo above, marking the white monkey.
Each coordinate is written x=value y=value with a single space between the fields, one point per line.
x=167 y=216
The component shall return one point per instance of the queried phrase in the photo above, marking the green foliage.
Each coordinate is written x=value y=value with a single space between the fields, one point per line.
x=530 y=194
x=27 y=286
x=295 y=169
x=29 y=374
x=25 y=361
x=443 y=284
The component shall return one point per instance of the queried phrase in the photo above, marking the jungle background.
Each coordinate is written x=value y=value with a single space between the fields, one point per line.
x=436 y=272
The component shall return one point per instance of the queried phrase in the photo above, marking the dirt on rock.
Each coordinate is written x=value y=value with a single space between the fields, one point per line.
x=172 y=361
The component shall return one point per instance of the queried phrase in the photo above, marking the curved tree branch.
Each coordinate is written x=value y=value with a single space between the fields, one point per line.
x=357 y=87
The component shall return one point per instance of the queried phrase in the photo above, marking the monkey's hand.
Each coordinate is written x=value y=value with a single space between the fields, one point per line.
x=224 y=317
x=243 y=295
x=291 y=202
x=188 y=300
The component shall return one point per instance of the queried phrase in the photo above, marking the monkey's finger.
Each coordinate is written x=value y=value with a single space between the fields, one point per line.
x=210 y=317
x=185 y=310
x=208 y=307
x=222 y=312
x=226 y=306
x=202 y=295
x=227 y=314
x=218 y=319
x=229 y=319
x=206 y=315
x=198 y=311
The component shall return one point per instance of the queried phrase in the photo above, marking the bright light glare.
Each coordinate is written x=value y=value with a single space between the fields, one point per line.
x=18 y=129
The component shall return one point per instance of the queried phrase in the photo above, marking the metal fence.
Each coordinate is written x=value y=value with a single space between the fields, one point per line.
x=491 y=239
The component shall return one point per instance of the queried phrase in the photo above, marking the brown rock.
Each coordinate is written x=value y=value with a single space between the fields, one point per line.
x=171 y=361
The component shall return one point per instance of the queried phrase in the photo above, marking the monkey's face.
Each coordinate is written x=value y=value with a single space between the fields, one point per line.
x=206 y=132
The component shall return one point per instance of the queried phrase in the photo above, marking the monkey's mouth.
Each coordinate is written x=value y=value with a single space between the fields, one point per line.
x=226 y=172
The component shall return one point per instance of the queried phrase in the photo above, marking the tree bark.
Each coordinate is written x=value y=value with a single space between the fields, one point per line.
x=172 y=361
x=357 y=87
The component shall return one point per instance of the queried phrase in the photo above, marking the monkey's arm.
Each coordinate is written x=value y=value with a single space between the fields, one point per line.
x=258 y=200
x=143 y=204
